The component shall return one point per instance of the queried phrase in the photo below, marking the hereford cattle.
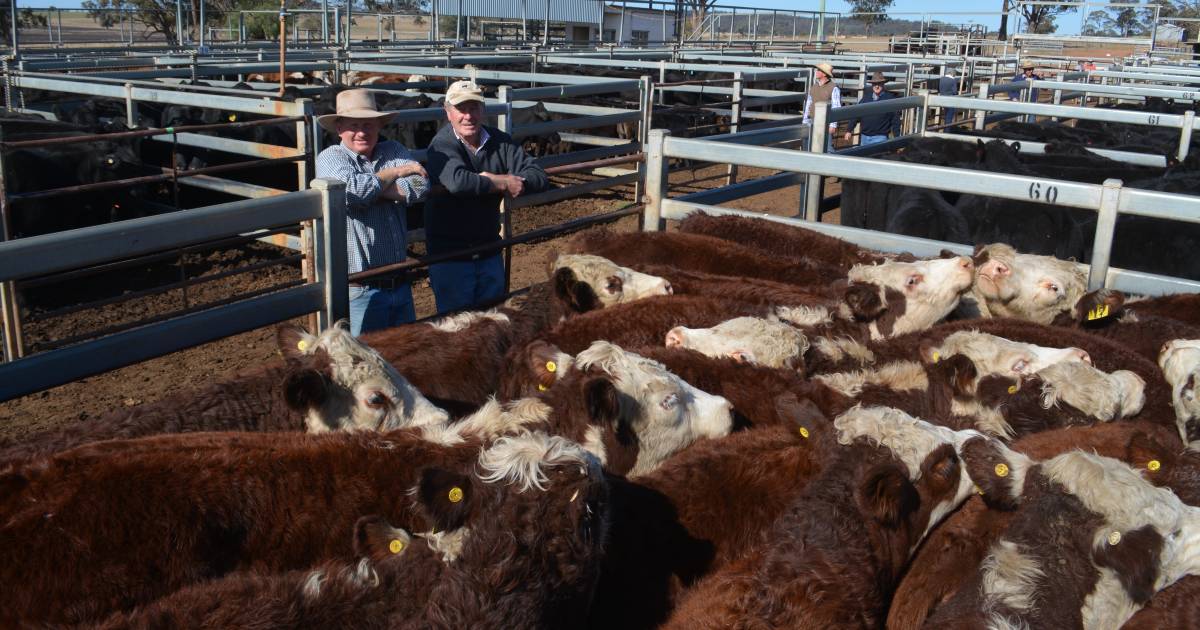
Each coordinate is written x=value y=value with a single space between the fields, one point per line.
x=956 y=548
x=1184 y=307
x=327 y=383
x=531 y=562
x=1025 y=286
x=113 y=525
x=739 y=339
x=698 y=512
x=630 y=411
x=1091 y=542
x=1180 y=363
x=755 y=290
x=781 y=240
x=458 y=360
x=835 y=556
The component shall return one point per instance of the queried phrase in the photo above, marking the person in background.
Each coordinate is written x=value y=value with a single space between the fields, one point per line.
x=948 y=86
x=1026 y=74
x=382 y=180
x=875 y=129
x=824 y=92
x=479 y=166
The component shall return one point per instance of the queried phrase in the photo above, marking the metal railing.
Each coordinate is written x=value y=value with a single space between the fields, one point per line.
x=51 y=253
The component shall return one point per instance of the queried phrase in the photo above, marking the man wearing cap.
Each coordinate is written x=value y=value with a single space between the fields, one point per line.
x=382 y=179
x=479 y=166
x=874 y=129
x=1026 y=74
x=824 y=92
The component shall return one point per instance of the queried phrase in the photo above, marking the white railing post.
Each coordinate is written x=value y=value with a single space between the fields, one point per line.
x=1185 y=135
x=981 y=114
x=1106 y=225
x=330 y=251
x=645 y=106
x=656 y=180
x=735 y=120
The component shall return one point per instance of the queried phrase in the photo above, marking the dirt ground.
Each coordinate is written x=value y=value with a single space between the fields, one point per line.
x=151 y=380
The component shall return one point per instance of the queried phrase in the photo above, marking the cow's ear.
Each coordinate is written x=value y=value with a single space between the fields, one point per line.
x=376 y=539
x=887 y=495
x=446 y=497
x=802 y=412
x=998 y=473
x=864 y=301
x=546 y=362
x=295 y=342
x=945 y=253
x=1016 y=147
x=957 y=372
x=604 y=408
x=1134 y=557
x=1101 y=305
x=1148 y=456
x=306 y=388
x=929 y=351
x=578 y=296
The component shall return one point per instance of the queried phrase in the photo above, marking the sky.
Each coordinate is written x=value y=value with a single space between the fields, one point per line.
x=955 y=11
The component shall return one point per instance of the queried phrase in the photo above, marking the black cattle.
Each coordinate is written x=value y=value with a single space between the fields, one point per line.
x=926 y=214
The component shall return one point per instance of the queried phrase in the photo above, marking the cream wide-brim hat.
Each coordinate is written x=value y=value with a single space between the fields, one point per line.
x=826 y=68
x=353 y=104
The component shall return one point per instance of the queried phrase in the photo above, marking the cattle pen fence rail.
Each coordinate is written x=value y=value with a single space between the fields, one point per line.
x=1108 y=200
x=326 y=294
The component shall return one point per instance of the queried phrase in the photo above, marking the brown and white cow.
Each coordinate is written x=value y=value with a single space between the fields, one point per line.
x=1180 y=363
x=631 y=412
x=1025 y=286
x=781 y=240
x=531 y=561
x=1091 y=542
x=747 y=340
x=108 y=526
x=836 y=554
x=325 y=383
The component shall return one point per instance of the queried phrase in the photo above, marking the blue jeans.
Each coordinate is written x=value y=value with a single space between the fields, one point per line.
x=948 y=115
x=458 y=285
x=868 y=140
x=374 y=309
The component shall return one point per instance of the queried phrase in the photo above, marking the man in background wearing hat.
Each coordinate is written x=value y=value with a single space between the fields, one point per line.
x=948 y=86
x=479 y=166
x=382 y=179
x=1026 y=73
x=824 y=92
x=874 y=129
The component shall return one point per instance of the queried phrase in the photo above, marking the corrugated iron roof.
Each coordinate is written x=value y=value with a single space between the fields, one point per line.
x=589 y=11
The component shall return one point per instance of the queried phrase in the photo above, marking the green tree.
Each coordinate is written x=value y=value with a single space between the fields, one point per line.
x=1039 y=18
x=157 y=17
x=1116 y=22
x=26 y=18
x=877 y=10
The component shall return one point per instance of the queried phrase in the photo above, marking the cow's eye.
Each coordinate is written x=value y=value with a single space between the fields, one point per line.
x=377 y=400
x=669 y=401
x=614 y=284
x=1020 y=366
x=913 y=280
x=110 y=161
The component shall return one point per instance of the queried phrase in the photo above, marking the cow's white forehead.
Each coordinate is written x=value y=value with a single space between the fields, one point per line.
x=616 y=361
x=910 y=439
x=1114 y=490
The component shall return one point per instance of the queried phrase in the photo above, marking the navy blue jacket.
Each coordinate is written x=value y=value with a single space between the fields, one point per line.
x=947 y=86
x=879 y=124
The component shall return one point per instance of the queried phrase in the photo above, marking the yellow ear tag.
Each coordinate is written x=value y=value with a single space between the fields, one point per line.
x=1091 y=316
x=978 y=490
x=1153 y=465
x=1012 y=389
x=456 y=494
x=551 y=366
x=804 y=432
x=302 y=344
x=937 y=356
x=232 y=117
x=1114 y=538
x=542 y=388
x=1102 y=311
x=1001 y=470
x=396 y=546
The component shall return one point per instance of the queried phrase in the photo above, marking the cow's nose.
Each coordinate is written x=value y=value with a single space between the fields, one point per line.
x=675 y=337
x=1001 y=269
x=1081 y=355
x=966 y=263
x=668 y=288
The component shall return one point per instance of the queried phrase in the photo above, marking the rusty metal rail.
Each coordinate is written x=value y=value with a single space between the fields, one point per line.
x=583 y=166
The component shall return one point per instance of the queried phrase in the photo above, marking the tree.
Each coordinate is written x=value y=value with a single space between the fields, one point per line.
x=1115 y=22
x=1039 y=18
x=155 y=16
x=877 y=10
x=26 y=18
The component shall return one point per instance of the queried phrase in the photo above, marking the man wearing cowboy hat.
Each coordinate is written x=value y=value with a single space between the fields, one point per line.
x=1025 y=74
x=948 y=86
x=382 y=179
x=479 y=166
x=824 y=91
x=874 y=129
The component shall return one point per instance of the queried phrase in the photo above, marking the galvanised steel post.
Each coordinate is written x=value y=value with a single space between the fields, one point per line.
x=645 y=105
x=731 y=171
x=330 y=252
x=656 y=180
x=1106 y=224
x=981 y=115
x=1185 y=135
x=813 y=192
x=178 y=21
